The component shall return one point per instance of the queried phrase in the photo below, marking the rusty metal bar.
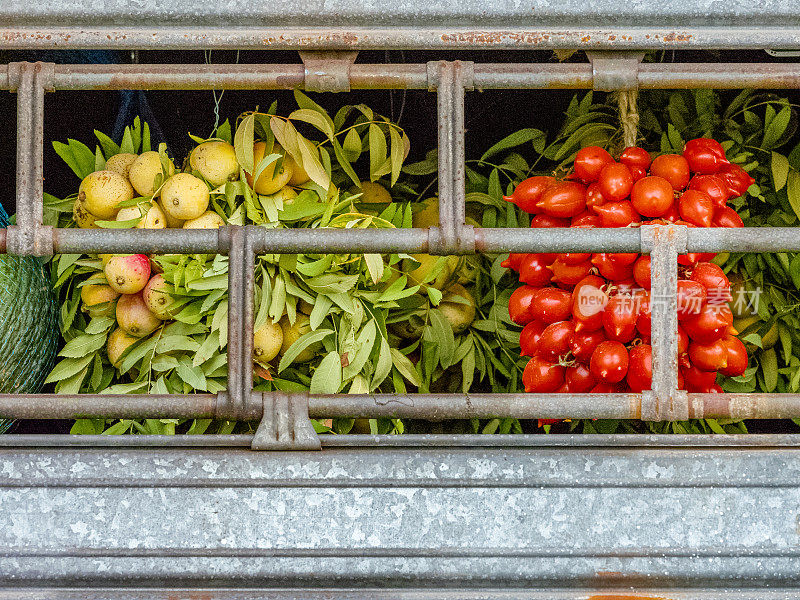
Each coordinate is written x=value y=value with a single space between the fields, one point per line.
x=415 y=76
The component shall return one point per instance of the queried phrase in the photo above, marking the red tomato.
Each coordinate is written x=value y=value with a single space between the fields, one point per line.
x=534 y=271
x=673 y=168
x=529 y=191
x=589 y=161
x=550 y=305
x=588 y=301
x=619 y=317
x=697 y=379
x=713 y=278
x=605 y=388
x=623 y=258
x=585 y=220
x=638 y=173
x=652 y=196
x=579 y=379
x=633 y=156
x=520 y=305
x=529 y=338
x=574 y=258
x=594 y=196
x=704 y=156
x=617 y=214
x=563 y=200
x=609 y=362
x=556 y=339
x=736 y=178
x=725 y=216
x=712 y=356
x=737 y=357
x=696 y=207
x=643 y=321
x=683 y=340
x=713 y=185
x=610 y=269
x=569 y=274
x=672 y=215
x=691 y=298
x=710 y=325
x=584 y=342
x=640 y=368
x=513 y=261
x=542 y=376
x=615 y=182
x=641 y=271
x=546 y=221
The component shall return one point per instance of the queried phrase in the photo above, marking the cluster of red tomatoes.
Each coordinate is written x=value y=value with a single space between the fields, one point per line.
x=586 y=316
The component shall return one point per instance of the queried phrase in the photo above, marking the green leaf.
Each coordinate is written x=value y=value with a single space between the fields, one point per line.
x=352 y=145
x=125 y=388
x=310 y=161
x=434 y=294
x=776 y=127
x=397 y=151
x=327 y=378
x=110 y=147
x=127 y=142
x=303 y=342
x=83 y=345
x=190 y=374
x=769 y=365
x=243 y=143
x=517 y=139
x=68 y=368
x=780 y=170
x=173 y=343
x=374 y=266
x=322 y=307
x=405 y=367
x=99 y=325
x=377 y=151
x=793 y=191
x=88 y=427
x=315 y=118
x=343 y=161
x=364 y=344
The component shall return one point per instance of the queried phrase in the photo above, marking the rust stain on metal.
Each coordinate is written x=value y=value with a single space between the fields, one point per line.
x=677 y=37
x=485 y=38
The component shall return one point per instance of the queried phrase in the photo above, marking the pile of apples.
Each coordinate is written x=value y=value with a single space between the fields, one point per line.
x=586 y=316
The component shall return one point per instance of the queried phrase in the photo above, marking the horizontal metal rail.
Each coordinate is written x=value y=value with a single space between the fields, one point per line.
x=413 y=76
x=433 y=407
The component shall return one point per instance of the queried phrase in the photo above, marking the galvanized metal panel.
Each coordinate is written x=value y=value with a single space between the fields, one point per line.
x=603 y=513
x=410 y=23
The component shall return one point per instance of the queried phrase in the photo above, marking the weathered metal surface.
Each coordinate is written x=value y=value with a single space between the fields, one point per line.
x=350 y=24
x=520 y=515
x=285 y=424
x=327 y=71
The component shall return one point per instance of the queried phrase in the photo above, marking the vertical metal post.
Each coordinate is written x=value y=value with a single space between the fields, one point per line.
x=241 y=265
x=664 y=402
x=29 y=236
x=450 y=79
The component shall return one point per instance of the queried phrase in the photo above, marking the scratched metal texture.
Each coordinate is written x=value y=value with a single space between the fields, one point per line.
x=600 y=513
x=406 y=24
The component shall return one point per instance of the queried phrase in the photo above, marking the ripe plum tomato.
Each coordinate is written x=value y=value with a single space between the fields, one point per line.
x=568 y=274
x=713 y=185
x=633 y=156
x=615 y=182
x=696 y=379
x=696 y=208
x=712 y=356
x=617 y=214
x=533 y=270
x=683 y=340
x=542 y=376
x=624 y=258
x=737 y=357
x=609 y=362
x=594 y=195
x=725 y=216
x=579 y=379
x=713 y=323
x=637 y=173
x=529 y=338
x=705 y=156
x=584 y=342
x=643 y=321
x=555 y=340
x=546 y=221
x=605 y=388
x=652 y=196
x=641 y=271
x=588 y=301
x=529 y=192
x=550 y=304
x=736 y=178
x=611 y=269
x=673 y=168
x=589 y=161
x=619 y=317
x=640 y=368
x=563 y=200
x=513 y=261
x=672 y=215
x=691 y=298
x=520 y=305
x=574 y=258
x=713 y=278
x=586 y=220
